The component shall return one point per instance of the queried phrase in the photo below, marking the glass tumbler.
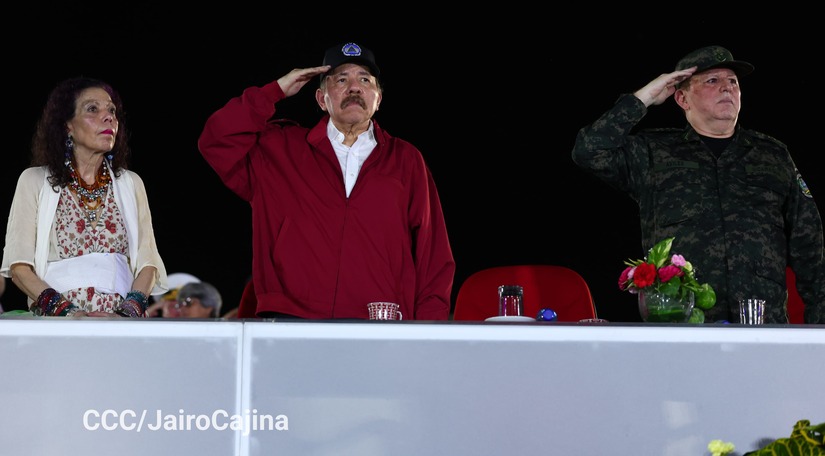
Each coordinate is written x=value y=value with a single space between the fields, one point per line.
x=510 y=300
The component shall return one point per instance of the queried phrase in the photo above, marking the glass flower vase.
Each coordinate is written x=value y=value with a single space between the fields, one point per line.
x=656 y=307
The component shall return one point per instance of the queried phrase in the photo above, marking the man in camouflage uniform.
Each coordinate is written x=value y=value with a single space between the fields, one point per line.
x=732 y=198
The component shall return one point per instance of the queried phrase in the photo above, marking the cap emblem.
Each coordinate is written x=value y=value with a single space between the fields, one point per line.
x=351 y=50
x=720 y=55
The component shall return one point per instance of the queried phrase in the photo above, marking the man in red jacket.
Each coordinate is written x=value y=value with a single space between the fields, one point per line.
x=343 y=213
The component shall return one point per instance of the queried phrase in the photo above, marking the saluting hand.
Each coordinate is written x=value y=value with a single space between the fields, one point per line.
x=659 y=89
x=293 y=81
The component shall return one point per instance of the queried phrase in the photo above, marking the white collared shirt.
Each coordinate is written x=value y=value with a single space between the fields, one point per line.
x=351 y=157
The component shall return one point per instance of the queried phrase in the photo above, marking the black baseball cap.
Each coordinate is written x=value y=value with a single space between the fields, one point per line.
x=351 y=52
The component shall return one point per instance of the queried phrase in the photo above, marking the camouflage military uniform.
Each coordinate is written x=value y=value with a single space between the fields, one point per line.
x=739 y=219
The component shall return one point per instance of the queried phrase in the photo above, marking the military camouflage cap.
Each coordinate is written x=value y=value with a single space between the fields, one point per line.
x=710 y=57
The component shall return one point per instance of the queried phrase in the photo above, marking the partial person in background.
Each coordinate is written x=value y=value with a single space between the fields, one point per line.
x=199 y=300
x=732 y=197
x=343 y=213
x=165 y=305
x=80 y=240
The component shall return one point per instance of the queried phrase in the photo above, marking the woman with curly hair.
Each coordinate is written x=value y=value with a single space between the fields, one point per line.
x=80 y=240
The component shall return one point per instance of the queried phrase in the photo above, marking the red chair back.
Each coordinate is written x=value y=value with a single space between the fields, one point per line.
x=545 y=286
x=796 y=309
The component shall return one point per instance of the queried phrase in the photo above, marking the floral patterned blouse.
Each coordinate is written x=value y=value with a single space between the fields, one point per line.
x=77 y=235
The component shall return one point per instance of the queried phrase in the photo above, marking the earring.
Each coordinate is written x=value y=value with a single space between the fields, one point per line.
x=110 y=156
x=69 y=149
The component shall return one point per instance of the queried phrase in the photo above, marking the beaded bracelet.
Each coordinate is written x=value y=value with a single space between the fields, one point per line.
x=45 y=302
x=134 y=305
x=53 y=304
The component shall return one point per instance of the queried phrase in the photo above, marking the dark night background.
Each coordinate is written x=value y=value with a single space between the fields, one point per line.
x=493 y=101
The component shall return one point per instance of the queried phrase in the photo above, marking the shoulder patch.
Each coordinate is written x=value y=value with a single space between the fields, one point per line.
x=803 y=187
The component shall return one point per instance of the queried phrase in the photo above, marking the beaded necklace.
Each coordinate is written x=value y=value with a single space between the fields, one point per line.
x=91 y=196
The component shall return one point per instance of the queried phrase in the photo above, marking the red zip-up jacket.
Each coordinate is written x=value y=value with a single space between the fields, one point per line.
x=316 y=253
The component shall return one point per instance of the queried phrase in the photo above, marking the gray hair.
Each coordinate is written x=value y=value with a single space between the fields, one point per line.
x=208 y=295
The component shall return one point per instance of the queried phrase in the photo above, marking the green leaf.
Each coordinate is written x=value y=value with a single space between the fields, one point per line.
x=697 y=315
x=805 y=440
x=631 y=263
x=705 y=297
x=671 y=287
x=660 y=252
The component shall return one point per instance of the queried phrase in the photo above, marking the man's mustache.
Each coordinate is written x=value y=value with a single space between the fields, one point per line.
x=353 y=99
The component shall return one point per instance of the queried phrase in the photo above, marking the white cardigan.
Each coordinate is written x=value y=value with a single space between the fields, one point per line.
x=35 y=197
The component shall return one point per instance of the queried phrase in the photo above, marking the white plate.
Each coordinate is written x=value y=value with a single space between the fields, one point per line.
x=511 y=318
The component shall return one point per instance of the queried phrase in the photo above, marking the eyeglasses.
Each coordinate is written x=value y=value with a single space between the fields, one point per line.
x=185 y=303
